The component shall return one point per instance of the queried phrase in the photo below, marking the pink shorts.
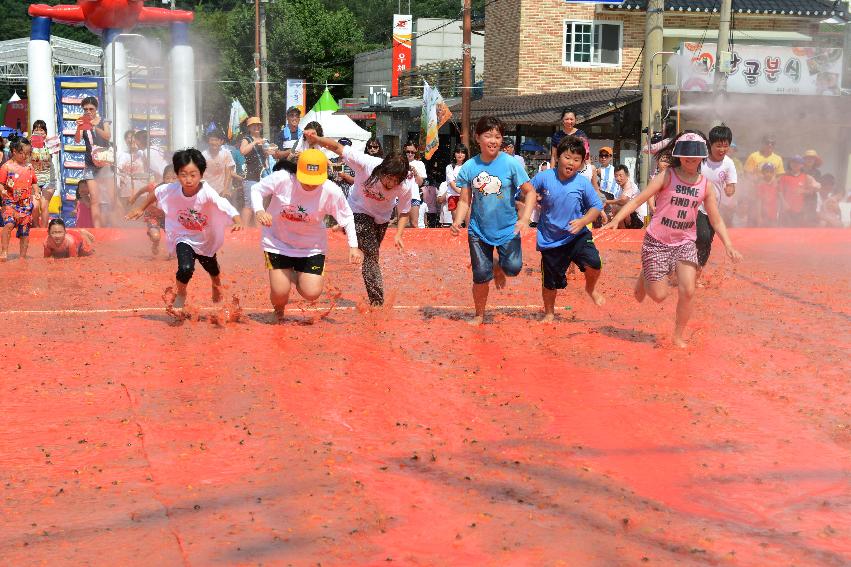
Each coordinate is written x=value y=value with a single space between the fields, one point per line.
x=659 y=259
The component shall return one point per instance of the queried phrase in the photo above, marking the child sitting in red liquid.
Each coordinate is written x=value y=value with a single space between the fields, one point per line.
x=63 y=243
x=766 y=194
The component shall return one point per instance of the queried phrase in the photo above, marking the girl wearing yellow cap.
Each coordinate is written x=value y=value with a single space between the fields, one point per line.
x=294 y=237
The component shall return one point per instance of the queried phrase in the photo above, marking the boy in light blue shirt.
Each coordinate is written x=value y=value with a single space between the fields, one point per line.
x=488 y=183
x=568 y=204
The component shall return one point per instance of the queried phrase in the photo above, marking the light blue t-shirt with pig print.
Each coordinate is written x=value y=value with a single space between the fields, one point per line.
x=492 y=213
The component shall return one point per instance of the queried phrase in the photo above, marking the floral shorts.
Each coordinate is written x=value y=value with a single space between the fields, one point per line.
x=659 y=259
x=19 y=214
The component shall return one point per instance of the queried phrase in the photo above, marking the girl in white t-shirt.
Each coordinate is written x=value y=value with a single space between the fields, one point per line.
x=416 y=178
x=379 y=184
x=195 y=219
x=449 y=195
x=294 y=237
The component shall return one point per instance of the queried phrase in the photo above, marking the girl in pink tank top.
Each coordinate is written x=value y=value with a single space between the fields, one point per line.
x=669 y=243
x=675 y=220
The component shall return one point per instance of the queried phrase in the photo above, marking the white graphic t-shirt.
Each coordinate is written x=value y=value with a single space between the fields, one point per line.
x=219 y=169
x=719 y=174
x=298 y=216
x=374 y=200
x=412 y=183
x=199 y=220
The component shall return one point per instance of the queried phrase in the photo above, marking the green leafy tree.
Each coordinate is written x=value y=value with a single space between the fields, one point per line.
x=377 y=15
x=304 y=40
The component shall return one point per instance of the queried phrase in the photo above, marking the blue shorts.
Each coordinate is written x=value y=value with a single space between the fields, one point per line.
x=481 y=258
x=416 y=202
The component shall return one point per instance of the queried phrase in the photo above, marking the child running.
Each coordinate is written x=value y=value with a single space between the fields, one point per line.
x=488 y=183
x=195 y=219
x=377 y=186
x=294 y=235
x=568 y=204
x=18 y=191
x=63 y=243
x=154 y=217
x=720 y=172
x=669 y=243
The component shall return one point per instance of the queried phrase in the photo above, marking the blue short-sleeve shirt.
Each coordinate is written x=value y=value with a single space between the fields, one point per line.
x=492 y=213
x=561 y=202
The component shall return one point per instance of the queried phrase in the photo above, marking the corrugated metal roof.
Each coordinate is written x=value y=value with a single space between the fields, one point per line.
x=799 y=8
x=546 y=108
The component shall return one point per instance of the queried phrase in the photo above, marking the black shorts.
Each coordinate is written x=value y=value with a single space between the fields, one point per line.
x=555 y=261
x=310 y=265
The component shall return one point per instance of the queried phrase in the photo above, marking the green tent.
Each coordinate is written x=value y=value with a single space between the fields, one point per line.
x=326 y=102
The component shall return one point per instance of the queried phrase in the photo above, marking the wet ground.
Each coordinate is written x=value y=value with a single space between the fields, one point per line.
x=406 y=437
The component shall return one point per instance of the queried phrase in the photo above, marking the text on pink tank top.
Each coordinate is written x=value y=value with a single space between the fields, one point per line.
x=675 y=219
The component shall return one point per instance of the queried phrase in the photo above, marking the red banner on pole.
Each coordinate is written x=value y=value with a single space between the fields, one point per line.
x=402 y=28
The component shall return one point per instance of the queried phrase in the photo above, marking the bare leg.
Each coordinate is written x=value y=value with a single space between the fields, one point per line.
x=24 y=244
x=154 y=235
x=280 y=282
x=94 y=202
x=687 y=275
x=591 y=277
x=414 y=216
x=639 y=293
x=216 y=293
x=180 y=295
x=549 y=296
x=498 y=276
x=4 y=240
x=480 y=300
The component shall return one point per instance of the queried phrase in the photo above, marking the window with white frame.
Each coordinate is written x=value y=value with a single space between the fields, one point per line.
x=589 y=43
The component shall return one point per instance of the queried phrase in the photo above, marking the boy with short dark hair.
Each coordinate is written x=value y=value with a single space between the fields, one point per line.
x=488 y=183
x=568 y=204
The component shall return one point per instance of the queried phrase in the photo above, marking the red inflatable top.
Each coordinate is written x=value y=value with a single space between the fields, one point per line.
x=99 y=15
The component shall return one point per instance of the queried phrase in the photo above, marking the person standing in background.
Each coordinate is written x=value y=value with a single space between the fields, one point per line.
x=416 y=179
x=251 y=148
x=568 y=128
x=508 y=147
x=95 y=132
x=290 y=132
x=153 y=155
x=220 y=165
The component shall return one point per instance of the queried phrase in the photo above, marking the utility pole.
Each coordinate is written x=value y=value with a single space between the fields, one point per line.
x=466 y=77
x=264 y=73
x=722 y=57
x=651 y=99
x=257 y=58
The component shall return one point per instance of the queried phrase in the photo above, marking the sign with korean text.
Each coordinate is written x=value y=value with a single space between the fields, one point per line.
x=765 y=69
x=402 y=32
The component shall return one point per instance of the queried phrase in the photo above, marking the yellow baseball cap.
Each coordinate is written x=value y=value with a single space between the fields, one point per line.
x=252 y=121
x=312 y=167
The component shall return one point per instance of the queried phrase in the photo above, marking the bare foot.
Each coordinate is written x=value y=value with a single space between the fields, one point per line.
x=476 y=321
x=598 y=297
x=3 y=256
x=280 y=315
x=498 y=277
x=155 y=248
x=679 y=341
x=548 y=318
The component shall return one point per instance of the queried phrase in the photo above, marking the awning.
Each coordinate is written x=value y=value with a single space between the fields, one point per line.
x=739 y=36
x=545 y=109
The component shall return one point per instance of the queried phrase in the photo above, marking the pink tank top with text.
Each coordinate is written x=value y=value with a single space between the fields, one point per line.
x=674 y=221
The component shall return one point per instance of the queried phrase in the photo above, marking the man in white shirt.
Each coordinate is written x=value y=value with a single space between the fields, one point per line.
x=508 y=147
x=157 y=161
x=626 y=190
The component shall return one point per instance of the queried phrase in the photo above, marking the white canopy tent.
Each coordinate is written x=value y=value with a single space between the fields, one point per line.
x=335 y=126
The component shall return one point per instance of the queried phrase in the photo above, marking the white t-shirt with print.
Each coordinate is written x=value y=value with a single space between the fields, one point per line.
x=219 y=167
x=199 y=220
x=452 y=175
x=719 y=174
x=298 y=216
x=375 y=200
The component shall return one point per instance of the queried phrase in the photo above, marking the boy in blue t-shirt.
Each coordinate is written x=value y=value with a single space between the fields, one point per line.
x=488 y=183
x=568 y=204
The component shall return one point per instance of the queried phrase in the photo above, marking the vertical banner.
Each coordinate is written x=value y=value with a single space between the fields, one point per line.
x=297 y=94
x=435 y=114
x=402 y=26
